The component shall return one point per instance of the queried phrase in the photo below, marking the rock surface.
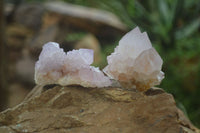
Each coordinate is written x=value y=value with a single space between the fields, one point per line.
x=76 y=109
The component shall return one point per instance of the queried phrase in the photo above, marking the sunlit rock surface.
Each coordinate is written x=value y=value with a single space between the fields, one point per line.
x=135 y=63
x=72 y=68
x=75 y=109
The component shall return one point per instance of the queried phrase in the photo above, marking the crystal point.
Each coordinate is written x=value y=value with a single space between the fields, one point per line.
x=135 y=63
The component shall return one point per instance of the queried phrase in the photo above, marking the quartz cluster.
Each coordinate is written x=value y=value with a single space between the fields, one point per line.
x=134 y=62
x=72 y=68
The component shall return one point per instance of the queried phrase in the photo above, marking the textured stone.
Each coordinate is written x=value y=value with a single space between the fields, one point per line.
x=88 y=110
x=57 y=67
x=135 y=63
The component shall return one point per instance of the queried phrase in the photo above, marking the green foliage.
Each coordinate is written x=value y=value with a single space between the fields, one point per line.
x=75 y=36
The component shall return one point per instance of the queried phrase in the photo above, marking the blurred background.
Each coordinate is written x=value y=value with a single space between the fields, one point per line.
x=172 y=25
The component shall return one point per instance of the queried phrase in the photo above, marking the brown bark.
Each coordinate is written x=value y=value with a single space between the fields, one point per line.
x=3 y=54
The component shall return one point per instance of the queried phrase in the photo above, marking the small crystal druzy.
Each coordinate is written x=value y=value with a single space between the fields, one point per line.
x=135 y=63
x=72 y=68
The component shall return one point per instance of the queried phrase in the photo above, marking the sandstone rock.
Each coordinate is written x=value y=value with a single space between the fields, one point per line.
x=76 y=109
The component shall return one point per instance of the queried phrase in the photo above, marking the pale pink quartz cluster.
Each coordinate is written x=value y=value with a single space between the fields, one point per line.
x=72 y=68
x=135 y=63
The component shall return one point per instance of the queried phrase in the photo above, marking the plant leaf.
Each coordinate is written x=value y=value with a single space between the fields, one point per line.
x=188 y=30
